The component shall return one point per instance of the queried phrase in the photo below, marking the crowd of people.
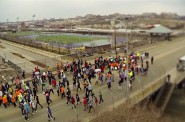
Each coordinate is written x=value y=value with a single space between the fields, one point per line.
x=24 y=94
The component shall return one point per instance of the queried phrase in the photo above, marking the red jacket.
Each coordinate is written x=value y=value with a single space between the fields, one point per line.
x=85 y=101
x=72 y=100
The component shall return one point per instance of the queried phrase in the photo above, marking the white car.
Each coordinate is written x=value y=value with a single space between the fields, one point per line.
x=181 y=64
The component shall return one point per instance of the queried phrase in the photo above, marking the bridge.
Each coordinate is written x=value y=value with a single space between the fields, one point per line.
x=165 y=55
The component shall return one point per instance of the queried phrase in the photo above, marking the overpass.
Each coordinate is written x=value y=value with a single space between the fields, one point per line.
x=165 y=59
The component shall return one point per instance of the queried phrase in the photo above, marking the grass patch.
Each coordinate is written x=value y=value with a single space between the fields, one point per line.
x=67 y=38
x=60 y=38
x=24 y=33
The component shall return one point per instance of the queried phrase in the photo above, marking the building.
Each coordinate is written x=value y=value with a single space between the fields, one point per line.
x=160 y=33
x=97 y=45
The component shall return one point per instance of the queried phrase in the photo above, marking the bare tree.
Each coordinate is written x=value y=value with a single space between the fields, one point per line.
x=92 y=44
x=69 y=47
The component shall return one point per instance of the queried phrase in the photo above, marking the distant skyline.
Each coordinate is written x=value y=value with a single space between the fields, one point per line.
x=25 y=9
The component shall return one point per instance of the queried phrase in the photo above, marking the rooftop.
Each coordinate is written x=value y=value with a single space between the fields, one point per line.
x=97 y=43
x=160 y=29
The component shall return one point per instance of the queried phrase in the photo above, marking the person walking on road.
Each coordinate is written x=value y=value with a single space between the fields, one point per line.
x=100 y=97
x=85 y=103
x=77 y=99
x=62 y=90
x=38 y=102
x=13 y=100
x=48 y=100
x=90 y=104
x=50 y=116
x=51 y=89
x=73 y=102
x=21 y=106
x=34 y=92
x=68 y=95
x=152 y=60
x=4 y=101
x=96 y=100
x=23 y=74
x=26 y=111
x=33 y=108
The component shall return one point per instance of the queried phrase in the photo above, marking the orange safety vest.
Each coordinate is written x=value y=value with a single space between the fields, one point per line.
x=4 y=100
x=17 y=93
x=13 y=99
x=62 y=90
x=108 y=75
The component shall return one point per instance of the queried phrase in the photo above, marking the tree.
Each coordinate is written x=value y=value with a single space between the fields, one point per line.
x=69 y=46
x=92 y=44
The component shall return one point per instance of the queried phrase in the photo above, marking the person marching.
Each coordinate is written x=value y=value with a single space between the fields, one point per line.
x=152 y=60
x=96 y=100
x=77 y=98
x=50 y=116
x=68 y=95
x=85 y=103
x=62 y=90
x=48 y=100
x=100 y=97
x=73 y=102
x=26 y=111
x=38 y=102
x=13 y=100
x=4 y=101
x=32 y=105
x=90 y=103
x=78 y=86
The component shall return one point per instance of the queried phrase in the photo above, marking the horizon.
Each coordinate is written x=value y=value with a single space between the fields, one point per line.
x=47 y=9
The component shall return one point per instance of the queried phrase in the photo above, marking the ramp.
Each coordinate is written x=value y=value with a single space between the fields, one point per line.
x=164 y=96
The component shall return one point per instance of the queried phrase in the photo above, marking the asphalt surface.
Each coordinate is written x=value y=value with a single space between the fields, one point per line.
x=28 y=55
x=165 y=59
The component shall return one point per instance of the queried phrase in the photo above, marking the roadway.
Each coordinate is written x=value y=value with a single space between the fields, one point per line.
x=165 y=59
x=28 y=54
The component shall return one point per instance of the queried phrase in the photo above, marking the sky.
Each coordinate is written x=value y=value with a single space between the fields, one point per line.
x=24 y=9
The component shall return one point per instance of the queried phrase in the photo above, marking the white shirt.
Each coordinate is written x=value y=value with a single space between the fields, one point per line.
x=1 y=93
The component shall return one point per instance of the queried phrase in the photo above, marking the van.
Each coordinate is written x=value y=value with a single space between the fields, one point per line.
x=181 y=64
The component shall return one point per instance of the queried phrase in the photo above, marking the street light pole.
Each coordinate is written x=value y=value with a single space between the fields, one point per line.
x=115 y=40
x=17 y=23
x=7 y=22
x=127 y=71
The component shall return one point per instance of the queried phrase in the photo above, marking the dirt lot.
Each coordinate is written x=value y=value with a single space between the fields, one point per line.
x=6 y=71
x=126 y=113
